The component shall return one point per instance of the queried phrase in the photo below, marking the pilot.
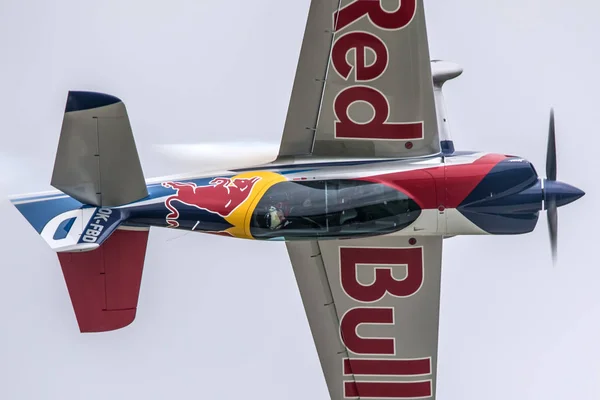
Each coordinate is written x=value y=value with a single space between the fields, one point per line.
x=275 y=218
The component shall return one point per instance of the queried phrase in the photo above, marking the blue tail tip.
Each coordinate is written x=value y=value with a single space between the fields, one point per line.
x=79 y=100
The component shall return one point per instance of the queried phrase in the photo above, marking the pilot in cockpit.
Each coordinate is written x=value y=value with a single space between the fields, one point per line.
x=275 y=218
x=294 y=208
x=280 y=215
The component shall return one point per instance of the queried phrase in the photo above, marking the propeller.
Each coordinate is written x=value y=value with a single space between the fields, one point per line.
x=551 y=177
x=555 y=193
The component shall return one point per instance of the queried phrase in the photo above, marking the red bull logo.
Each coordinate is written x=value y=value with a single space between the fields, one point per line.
x=221 y=196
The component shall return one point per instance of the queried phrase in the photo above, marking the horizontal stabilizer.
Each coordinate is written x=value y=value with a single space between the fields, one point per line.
x=97 y=161
x=104 y=284
x=67 y=225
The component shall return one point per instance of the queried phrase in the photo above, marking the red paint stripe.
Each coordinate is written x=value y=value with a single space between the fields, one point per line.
x=444 y=185
x=387 y=390
x=461 y=180
x=418 y=184
x=387 y=367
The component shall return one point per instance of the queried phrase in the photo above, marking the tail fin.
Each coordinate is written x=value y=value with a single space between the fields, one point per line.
x=103 y=284
x=97 y=161
x=98 y=168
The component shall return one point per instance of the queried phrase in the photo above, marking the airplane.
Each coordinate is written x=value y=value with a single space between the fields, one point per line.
x=366 y=186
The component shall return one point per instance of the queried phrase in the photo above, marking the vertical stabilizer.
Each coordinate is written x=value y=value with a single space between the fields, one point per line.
x=97 y=161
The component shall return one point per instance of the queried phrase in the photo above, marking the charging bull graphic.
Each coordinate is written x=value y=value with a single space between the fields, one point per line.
x=221 y=196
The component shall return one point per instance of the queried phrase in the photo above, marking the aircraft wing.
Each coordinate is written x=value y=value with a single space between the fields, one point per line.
x=363 y=85
x=373 y=309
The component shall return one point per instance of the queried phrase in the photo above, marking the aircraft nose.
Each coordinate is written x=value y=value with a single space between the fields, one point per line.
x=561 y=192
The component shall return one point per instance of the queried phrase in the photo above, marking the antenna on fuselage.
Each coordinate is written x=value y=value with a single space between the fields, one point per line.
x=443 y=71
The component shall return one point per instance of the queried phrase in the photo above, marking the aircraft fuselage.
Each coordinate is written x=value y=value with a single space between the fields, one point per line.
x=463 y=193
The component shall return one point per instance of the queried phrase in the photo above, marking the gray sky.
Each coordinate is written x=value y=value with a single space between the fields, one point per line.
x=222 y=318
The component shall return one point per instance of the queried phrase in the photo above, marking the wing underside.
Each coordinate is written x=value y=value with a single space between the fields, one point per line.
x=363 y=86
x=373 y=309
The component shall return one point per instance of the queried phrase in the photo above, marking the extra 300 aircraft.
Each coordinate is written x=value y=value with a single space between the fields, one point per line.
x=366 y=186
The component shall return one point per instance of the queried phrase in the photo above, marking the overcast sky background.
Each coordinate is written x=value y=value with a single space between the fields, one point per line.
x=221 y=318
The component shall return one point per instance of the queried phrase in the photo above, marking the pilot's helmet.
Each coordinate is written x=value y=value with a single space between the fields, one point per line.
x=274 y=218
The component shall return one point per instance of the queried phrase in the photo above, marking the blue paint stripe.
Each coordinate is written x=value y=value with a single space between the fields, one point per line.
x=297 y=171
x=322 y=164
x=503 y=224
x=359 y=162
x=38 y=214
x=447 y=147
x=28 y=197
x=63 y=229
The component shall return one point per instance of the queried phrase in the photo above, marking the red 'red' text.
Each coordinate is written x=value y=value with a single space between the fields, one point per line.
x=361 y=43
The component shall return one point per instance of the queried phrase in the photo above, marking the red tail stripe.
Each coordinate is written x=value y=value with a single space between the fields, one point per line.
x=387 y=367
x=387 y=390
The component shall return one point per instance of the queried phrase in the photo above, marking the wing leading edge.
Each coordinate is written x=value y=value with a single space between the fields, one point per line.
x=363 y=85
x=373 y=309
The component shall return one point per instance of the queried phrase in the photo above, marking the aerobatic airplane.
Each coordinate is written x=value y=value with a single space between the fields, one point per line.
x=366 y=186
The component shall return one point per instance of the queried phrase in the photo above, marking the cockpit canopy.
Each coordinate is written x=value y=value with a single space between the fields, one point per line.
x=331 y=209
